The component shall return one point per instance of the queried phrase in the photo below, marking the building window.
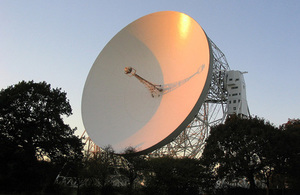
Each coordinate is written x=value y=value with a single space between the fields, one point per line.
x=234 y=101
x=234 y=108
x=235 y=94
x=234 y=87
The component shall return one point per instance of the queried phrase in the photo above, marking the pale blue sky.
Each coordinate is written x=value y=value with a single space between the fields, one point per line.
x=57 y=42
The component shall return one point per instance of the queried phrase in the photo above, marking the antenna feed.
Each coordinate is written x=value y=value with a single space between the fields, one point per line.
x=129 y=70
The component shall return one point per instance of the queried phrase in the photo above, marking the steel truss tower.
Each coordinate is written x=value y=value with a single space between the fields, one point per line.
x=191 y=141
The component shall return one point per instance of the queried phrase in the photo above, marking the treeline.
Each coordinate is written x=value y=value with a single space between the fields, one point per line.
x=254 y=154
x=107 y=173
x=41 y=155
x=248 y=156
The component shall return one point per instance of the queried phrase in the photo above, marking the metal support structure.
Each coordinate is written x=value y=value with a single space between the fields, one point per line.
x=90 y=147
x=190 y=143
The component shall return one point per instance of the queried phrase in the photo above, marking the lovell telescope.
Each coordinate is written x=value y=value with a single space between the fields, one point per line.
x=158 y=86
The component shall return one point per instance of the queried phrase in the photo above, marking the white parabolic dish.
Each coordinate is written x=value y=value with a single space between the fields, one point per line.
x=166 y=48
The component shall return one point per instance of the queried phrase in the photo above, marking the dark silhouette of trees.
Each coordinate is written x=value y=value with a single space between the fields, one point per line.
x=33 y=135
x=241 y=149
x=100 y=166
x=133 y=168
x=169 y=175
x=35 y=145
x=255 y=150
x=92 y=174
x=290 y=149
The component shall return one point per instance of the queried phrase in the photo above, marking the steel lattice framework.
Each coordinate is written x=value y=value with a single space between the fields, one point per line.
x=190 y=143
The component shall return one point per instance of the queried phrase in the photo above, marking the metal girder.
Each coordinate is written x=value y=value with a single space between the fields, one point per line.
x=191 y=141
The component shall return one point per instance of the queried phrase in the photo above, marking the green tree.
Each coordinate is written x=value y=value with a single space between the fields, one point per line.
x=32 y=130
x=241 y=148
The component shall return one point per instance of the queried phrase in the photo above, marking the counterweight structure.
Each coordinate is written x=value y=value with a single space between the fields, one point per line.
x=236 y=87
